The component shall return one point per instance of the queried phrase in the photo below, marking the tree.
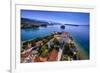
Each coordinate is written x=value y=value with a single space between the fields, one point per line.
x=56 y=42
x=66 y=48
x=44 y=50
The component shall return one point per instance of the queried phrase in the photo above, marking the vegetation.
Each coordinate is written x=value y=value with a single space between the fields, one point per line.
x=44 y=52
x=66 y=49
x=56 y=42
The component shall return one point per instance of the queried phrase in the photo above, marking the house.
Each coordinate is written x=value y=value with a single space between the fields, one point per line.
x=39 y=43
x=53 y=55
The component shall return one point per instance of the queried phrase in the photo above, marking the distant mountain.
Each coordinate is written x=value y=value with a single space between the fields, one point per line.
x=32 y=23
x=75 y=25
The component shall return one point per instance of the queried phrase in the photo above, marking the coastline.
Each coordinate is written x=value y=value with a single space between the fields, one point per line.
x=37 y=38
x=81 y=49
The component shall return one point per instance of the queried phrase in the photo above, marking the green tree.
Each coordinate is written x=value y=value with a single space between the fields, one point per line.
x=56 y=42
x=44 y=50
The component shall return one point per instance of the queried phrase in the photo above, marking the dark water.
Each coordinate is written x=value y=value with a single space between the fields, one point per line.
x=79 y=33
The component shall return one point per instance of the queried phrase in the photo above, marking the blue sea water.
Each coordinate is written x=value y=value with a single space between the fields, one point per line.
x=79 y=33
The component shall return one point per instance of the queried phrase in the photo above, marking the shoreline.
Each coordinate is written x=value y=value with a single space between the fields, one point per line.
x=38 y=37
x=81 y=49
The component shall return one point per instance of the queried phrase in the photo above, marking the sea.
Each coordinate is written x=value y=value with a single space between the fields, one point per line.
x=79 y=33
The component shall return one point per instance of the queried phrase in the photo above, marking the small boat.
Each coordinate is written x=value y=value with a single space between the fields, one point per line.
x=62 y=27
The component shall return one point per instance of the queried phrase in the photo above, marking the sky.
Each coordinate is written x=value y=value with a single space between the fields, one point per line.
x=78 y=18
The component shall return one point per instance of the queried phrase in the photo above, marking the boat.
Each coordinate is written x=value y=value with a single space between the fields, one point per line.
x=62 y=27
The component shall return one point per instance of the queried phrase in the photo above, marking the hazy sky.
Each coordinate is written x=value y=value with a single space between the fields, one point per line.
x=60 y=17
